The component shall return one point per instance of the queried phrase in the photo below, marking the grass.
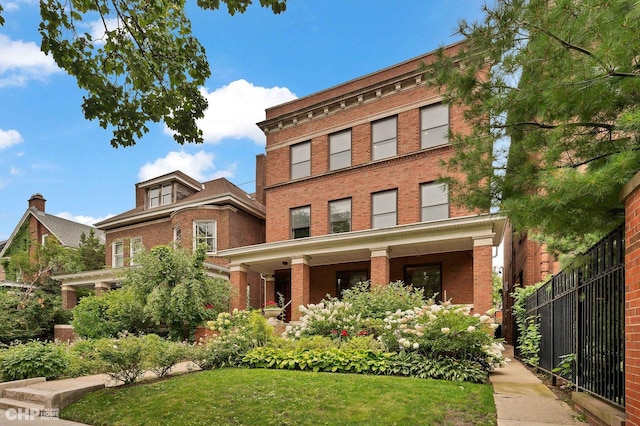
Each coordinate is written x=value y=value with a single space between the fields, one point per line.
x=281 y=397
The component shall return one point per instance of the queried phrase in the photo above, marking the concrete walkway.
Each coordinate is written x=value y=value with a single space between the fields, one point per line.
x=523 y=400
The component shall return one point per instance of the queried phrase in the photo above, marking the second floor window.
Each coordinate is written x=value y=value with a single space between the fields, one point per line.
x=300 y=222
x=205 y=233
x=434 y=125
x=159 y=196
x=135 y=247
x=384 y=209
x=340 y=216
x=177 y=235
x=340 y=150
x=301 y=160
x=384 y=138
x=434 y=201
x=117 y=254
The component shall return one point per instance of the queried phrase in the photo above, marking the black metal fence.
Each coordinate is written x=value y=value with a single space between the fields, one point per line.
x=580 y=311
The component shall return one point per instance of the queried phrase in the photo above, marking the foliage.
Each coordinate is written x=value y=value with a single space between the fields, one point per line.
x=84 y=357
x=33 y=359
x=330 y=318
x=29 y=317
x=554 y=85
x=566 y=368
x=124 y=358
x=90 y=253
x=162 y=355
x=528 y=330
x=238 y=333
x=176 y=290
x=107 y=315
x=283 y=397
x=146 y=66
x=379 y=300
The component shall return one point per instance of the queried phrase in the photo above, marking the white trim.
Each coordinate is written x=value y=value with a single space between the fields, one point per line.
x=215 y=235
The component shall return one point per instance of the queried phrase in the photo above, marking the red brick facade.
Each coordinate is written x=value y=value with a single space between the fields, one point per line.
x=458 y=245
x=631 y=196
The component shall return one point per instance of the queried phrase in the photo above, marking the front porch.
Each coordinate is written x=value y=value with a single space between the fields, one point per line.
x=458 y=252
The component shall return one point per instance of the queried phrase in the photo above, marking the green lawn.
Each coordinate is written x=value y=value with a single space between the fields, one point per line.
x=281 y=397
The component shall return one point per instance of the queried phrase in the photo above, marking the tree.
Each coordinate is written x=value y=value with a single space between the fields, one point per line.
x=176 y=289
x=143 y=66
x=90 y=252
x=560 y=82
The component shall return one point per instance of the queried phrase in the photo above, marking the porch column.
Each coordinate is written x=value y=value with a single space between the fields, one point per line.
x=238 y=277
x=380 y=266
x=101 y=288
x=300 y=283
x=482 y=274
x=69 y=297
x=270 y=289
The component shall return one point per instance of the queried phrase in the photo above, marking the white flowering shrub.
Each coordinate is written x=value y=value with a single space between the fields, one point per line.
x=331 y=318
x=443 y=330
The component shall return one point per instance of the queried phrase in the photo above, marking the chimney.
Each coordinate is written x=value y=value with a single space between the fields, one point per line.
x=261 y=177
x=37 y=201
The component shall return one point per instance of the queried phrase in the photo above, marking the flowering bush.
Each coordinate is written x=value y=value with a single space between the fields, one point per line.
x=443 y=330
x=271 y=305
x=331 y=318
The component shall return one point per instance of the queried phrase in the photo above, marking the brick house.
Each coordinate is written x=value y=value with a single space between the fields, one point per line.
x=175 y=208
x=350 y=184
x=36 y=226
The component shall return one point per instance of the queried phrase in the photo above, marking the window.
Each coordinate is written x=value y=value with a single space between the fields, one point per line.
x=348 y=279
x=161 y=195
x=384 y=138
x=135 y=247
x=117 y=254
x=177 y=235
x=340 y=216
x=205 y=233
x=301 y=160
x=426 y=277
x=301 y=222
x=434 y=125
x=340 y=150
x=434 y=201
x=384 y=210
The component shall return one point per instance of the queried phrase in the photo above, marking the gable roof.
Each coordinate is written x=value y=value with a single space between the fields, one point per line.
x=67 y=232
x=214 y=192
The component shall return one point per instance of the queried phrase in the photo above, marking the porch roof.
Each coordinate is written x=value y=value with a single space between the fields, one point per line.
x=448 y=235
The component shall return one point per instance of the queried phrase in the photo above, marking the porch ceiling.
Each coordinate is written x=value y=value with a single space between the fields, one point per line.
x=449 y=235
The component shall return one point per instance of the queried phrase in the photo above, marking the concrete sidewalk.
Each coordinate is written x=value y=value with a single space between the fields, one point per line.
x=522 y=399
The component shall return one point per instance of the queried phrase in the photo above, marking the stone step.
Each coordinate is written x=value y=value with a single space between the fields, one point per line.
x=27 y=393
x=22 y=406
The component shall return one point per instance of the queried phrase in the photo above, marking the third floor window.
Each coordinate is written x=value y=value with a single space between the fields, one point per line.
x=434 y=125
x=340 y=150
x=384 y=138
x=160 y=196
x=301 y=160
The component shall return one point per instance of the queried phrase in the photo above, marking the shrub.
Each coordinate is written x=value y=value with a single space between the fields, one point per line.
x=444 y=331
x=528 y=331
x=417 y=365
x=124 y=357
x=379 y=301
x=84 y=358
x=33 y=359
x=330 y=318
x=162 y=355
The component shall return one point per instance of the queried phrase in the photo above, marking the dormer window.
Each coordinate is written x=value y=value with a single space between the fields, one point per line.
x=159 y=196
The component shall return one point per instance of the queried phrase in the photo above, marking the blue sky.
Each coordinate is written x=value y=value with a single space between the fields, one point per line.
x=257 y=60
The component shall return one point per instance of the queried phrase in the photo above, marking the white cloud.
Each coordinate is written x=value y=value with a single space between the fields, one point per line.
x=9 y=138
x=86 y=220
x=23 y=61
x=199 y=166
x=98 y=31
x=235 y=109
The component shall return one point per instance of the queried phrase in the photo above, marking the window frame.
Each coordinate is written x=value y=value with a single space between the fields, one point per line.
x=433 y=206
x=434 y=265
x=333 y=155
x=133 y=252
x=291 y=222
x=424 y=130
x=331 y=221
x=197 y=238
x=156 y=196
x=379 y=143
x=307 y=161
x=375 y=215
x=117 y=259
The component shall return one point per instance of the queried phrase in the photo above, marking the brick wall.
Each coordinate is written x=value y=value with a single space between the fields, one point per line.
x=64 y=333
x=631 y=195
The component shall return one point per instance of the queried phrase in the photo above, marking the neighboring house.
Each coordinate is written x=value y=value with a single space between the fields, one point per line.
x=352 y=194
x=36 y=226
x=526 y=262
x=175 y=208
